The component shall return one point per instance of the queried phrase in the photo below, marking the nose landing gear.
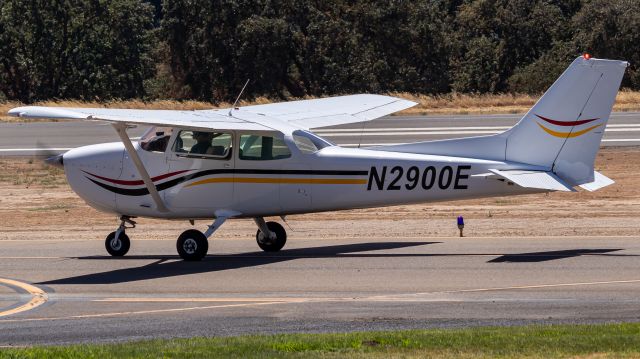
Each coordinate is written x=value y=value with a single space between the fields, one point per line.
x=117 y=243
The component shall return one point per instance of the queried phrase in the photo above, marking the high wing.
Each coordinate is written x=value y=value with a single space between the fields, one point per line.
x=331 y=111
x=284 y=116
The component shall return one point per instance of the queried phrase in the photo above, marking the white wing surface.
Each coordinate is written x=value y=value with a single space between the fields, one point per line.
x=187 y=119
x=333 y=110
x=284 y=116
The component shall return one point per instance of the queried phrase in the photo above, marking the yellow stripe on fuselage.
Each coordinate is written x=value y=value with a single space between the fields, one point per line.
x=279 y=180
x=567 y=134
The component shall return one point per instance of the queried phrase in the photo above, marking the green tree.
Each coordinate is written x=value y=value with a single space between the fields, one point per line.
x=611 y=29
x=303 y=47
x=499 y=36
x=537 y=76
x=74 y=49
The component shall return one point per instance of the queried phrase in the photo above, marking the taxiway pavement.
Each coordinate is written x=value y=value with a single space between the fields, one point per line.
x=46 y=138
x=55 y=292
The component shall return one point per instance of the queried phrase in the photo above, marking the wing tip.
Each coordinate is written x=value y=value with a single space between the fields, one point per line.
x=17 y=111
x=45 y=112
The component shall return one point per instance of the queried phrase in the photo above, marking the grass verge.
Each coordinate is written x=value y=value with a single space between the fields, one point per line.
x=558 y=341
x=448 y=104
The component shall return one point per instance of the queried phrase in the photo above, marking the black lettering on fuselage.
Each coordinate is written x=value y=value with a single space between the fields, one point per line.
x=413 y=176
x=430 y=173
x=393 y=186
x=410 y=178
x=461 y=176
x=446 y=176
x=373 y=176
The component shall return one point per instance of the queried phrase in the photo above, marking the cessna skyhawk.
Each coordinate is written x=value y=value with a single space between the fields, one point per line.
x=259 y=161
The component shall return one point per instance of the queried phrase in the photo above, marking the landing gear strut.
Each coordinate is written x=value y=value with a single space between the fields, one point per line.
x=271 y=236
x=117 y=243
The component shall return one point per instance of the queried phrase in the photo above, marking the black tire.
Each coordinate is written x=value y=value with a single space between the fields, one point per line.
x=192 y=245
x=272 y=245
x=119 y=248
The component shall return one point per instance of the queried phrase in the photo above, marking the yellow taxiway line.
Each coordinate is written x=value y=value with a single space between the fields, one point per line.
x=196 y=299
x=38 y=297
x=140 y=312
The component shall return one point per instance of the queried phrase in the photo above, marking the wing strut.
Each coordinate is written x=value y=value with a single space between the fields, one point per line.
x=121 y=129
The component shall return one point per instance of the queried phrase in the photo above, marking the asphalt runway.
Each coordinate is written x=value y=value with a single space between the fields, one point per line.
x=45 y=138
x=55 y=292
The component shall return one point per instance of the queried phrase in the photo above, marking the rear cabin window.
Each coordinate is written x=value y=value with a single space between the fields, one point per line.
x=263 y=148
x=309 y=143
x=203 y=144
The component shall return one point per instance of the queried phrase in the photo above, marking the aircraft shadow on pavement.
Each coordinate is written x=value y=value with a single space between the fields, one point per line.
x=553 y=255
x=162 y=268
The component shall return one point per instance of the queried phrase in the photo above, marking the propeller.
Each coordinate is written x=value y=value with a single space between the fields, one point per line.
x=52 y=157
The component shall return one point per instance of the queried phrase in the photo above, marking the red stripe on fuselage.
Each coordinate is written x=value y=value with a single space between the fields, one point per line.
x=566 y=123
x=136 y=182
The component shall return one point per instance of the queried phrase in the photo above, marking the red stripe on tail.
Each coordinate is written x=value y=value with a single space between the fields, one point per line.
x=566 y=123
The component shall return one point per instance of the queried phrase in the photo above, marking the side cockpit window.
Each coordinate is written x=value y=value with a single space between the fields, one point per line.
x=263 y=148
x=203 y=144
x=309 y=143
x=156 y=139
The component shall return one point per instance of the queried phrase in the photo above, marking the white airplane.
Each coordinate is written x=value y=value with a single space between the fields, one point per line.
x=259 y=161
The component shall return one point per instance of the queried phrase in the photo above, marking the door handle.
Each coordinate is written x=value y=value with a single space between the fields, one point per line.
x=226 y=165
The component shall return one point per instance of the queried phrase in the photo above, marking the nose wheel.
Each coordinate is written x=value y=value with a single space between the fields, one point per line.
x=119 y=246
x=117 y=243
x=192 y=245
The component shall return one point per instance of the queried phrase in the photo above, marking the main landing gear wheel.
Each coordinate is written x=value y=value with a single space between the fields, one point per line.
x=192 y=245
x=272 y=244
x=117 y=247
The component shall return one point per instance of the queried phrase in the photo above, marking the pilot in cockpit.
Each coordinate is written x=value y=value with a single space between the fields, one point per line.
x=203 y=145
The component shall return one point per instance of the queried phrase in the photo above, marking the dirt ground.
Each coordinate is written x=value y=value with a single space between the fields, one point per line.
x=36 y=203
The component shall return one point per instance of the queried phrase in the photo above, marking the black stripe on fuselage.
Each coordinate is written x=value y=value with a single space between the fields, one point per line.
x=165 y=185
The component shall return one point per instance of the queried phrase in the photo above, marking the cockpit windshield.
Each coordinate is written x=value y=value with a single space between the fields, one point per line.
x=156 y=139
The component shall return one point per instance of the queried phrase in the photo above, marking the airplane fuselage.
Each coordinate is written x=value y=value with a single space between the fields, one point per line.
x=333 y=178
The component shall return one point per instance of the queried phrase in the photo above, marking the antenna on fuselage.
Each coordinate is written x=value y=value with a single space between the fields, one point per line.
x=238 y=98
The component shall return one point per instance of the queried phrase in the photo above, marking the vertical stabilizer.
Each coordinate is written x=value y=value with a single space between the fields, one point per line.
x=563 y=129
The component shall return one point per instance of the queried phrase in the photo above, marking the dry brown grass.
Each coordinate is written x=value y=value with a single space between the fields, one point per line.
x=449 y=104
x=457 y=104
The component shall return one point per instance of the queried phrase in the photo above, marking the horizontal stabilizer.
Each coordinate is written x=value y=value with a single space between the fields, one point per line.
x=534 y=179
x=599 y=181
